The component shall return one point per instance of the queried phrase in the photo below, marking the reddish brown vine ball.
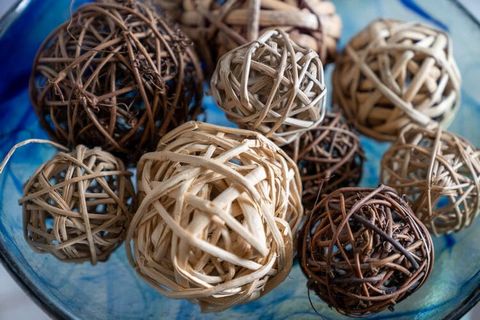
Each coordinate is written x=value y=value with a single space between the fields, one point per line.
x=115 y=76
x=363 y=250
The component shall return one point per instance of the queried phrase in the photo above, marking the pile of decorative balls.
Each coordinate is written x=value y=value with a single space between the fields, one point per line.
x=219 y=214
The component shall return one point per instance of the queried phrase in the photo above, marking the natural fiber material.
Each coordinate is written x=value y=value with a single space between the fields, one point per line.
x=394 y=73
x=220 y=26
x=329 y=157
x=116 y=76
x=439 y=173
x=363 y=250
x=78 y=205
x=218 y=211
x=271 y=85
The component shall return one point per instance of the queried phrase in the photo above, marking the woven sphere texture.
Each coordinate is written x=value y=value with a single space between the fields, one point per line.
x=271 y=85
x=439 y=174
x=394 y=73
x=117 y=76
x=220 y=26
x=78 y=205
x=363 y=250
x=329 y=157
x=218 y=208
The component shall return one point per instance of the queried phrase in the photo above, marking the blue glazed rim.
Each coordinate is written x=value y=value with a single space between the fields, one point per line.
x=54 y=311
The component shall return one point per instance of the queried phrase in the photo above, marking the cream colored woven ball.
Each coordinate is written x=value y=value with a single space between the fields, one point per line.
x=218 y=211
x=272 y=86
x=394 y=73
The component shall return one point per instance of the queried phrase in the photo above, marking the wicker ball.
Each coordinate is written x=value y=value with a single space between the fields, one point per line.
x=394 y=73
x=78 y=205
x=363 y=250
x=329 y=157
x=218 y=211
x=439 y=173
x=271 y=85
x=220 y=26
x=116 y=76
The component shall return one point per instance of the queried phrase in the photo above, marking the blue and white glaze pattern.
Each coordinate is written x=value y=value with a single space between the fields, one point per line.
x=112 y=290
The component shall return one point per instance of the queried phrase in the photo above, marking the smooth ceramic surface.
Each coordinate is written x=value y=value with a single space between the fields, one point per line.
x=112 y=290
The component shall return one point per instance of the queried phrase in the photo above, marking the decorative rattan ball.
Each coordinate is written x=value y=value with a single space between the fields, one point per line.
x=115 y=76
x=271 y=85
x=394 y=73
x=329 y=157
x=218 y=208
x=78 y=205
x=363 y=250
x=439 y=173
x=220 y=26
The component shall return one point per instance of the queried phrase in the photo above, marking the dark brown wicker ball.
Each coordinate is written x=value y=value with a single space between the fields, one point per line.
x=115 y=75
x=363 y=250
x=329 y=157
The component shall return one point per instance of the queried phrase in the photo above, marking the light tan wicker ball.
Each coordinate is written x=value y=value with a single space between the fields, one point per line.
x=394 y=73
x=273 y=86
x=218 y=211
x=439 y=173
x=77 y=206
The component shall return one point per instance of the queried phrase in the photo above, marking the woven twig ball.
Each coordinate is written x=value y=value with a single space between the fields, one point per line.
x=439 y=173
x=394 y=73
x=329 y=156
x=220 y=26
x=363 y=250
x=115 y=76
x=271 y=85
x=218 y=208
x=78 y=205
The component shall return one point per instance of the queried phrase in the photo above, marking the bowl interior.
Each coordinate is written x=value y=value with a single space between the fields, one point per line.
x=112 y=290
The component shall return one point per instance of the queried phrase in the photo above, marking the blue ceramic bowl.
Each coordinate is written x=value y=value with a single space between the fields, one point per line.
x=112 y=290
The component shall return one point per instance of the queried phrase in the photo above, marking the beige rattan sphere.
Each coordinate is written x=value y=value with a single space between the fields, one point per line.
x=218 y=208
x=271 y=85
x=78 y=205
x=394 y=73
x=220 y=26
x=439 y=173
